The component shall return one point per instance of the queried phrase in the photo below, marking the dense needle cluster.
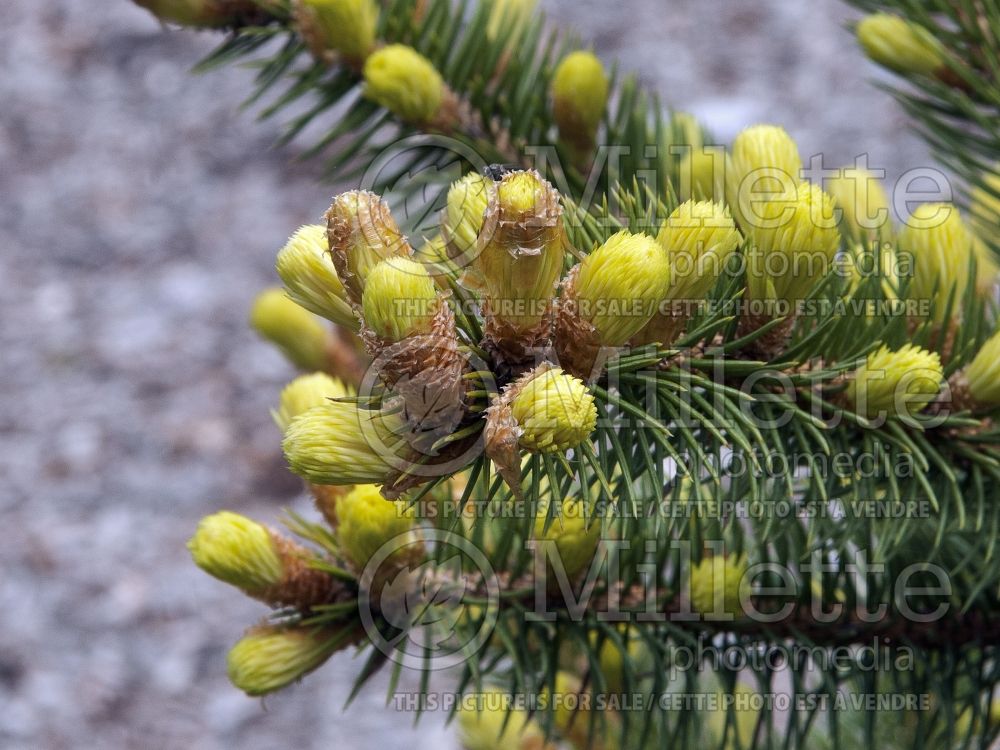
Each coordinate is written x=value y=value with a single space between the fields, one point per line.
x=500 y=335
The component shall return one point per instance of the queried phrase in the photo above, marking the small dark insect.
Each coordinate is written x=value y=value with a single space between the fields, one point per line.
x=496 y=172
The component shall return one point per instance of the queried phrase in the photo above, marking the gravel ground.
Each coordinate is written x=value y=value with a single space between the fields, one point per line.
x=141 y=212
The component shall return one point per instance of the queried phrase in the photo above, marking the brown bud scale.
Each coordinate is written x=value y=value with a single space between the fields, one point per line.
x=577 y=343
x=302 y=585
x=425 y=369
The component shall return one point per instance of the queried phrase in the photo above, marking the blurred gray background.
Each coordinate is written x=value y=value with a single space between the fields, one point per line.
x=140 y=213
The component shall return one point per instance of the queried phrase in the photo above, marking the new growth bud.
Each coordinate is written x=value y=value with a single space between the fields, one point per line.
x=863 y=204
x=237 y=550
x=942 y=252
x=554 y=411
x=463 y=217
x=900 y=45
x=305 y=266
x=366 y=521
x=717 y=584
x=340 y=443
x=576 y=534
x=620 y=284
x=409 y=330
x=400 y=299
x=792 y=246
x=983 y=373
x=612 y=658
x=305 y=392
x=699 y=238
x=764 y=162
x=895 y=383
x=987 y=268
x=269 y=658
x=362 y=232
x=607 y=299
x=984 y=205
x=406 y=83
x=263 y=564
x=346 y=27
x=984 y=216
x=296 y=332
x=521 y=248
x=544 y=411
x=701 y=174
x=579 y=98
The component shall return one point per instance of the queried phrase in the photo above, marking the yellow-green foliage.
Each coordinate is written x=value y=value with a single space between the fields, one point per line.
x=405 y=82
x=400 y=299
x=621 y=284
x=298 y=333
x=892 y=383
x=237 y=550
x=555 y=412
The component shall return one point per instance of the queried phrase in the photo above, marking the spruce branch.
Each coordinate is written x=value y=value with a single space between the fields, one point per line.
x=622 y=459
x=955 y=103
x=498 y=71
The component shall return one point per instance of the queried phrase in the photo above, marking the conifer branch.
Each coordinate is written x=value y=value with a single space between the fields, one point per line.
x=516 y=377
